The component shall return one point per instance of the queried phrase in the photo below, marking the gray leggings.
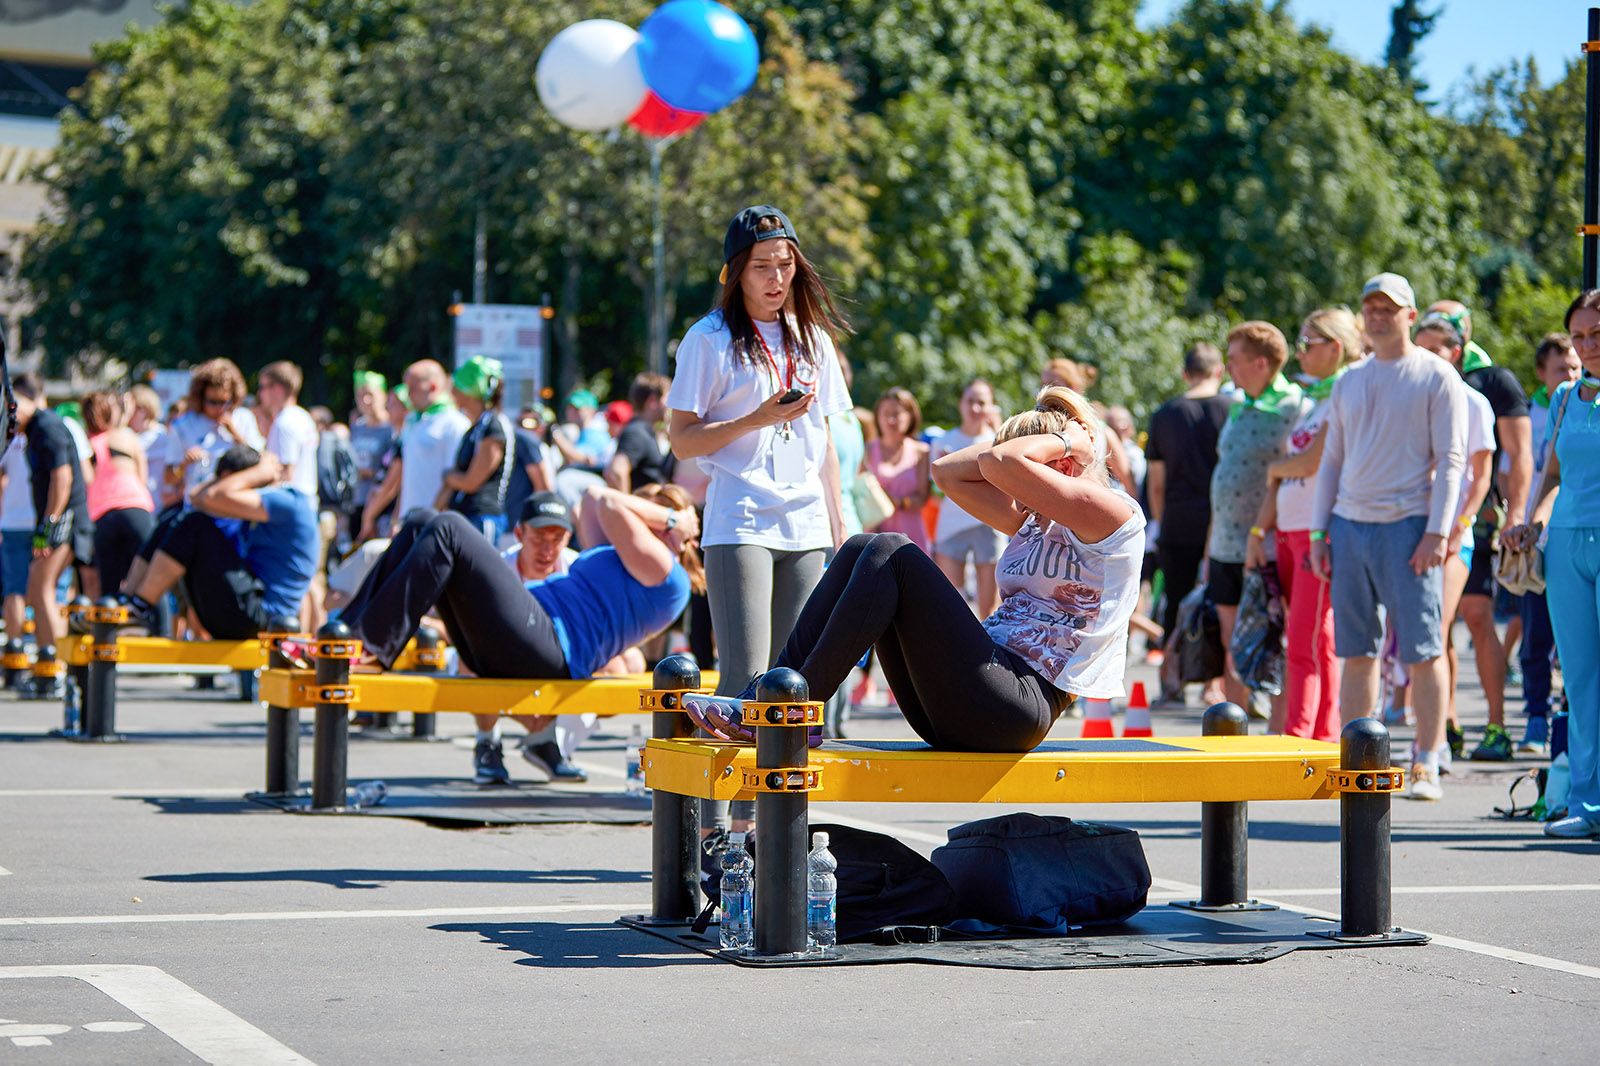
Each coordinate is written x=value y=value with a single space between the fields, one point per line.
x=756 y=595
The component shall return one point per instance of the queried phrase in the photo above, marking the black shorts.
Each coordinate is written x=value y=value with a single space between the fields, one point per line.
x=1480 y=579
x=1225 y=582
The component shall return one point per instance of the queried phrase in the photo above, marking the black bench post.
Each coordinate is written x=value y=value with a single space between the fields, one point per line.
x=16 y=663
x=100 y=686
x=781 y=824
x=330 y=754
x=430 y=659
x=283 y=723
x=1224 y=827
x=1364 y=870
x=675 y=836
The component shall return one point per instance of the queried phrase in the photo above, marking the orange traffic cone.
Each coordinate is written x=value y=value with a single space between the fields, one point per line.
x=1097 y=719
x=1137 y=722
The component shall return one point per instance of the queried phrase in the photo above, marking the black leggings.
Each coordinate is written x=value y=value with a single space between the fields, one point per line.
x=117 y=537
x=1180 y=571
x=226 y=597
x=959 y=689
x=441 y=561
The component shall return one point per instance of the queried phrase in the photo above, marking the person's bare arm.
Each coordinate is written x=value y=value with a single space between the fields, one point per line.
x=1516 y=437
x=486 y=459
x=619 y=472
x=1304 y=464
x=1022 y=467
x=960 y=477
x=630 y=525
x=916 y=499
x=238 y=495
x=378 y=500
x=1482 y=464
x=691 y=438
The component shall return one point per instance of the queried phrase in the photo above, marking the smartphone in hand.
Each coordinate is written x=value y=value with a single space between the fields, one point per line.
x=791 y=396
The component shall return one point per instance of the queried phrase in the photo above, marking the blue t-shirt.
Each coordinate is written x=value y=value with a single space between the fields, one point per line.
x=600 y=610
x=282 y=551
x=1578 y=452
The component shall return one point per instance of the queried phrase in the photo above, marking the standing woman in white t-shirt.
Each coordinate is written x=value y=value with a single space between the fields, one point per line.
x=772 y=512
x=958 y=536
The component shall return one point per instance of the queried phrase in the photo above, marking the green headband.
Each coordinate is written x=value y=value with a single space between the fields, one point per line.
x=478 y=376
x=401 y=393
x=369 y=379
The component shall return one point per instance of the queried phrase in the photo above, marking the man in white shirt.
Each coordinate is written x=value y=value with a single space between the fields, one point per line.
x=293 y=436
x=428 y=444
x=1387 y=490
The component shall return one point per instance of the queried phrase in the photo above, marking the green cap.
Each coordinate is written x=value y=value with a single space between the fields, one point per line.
x=70 y=409
x=583 y=398
x=370 y=379
x=478 y=376
x=401 y=393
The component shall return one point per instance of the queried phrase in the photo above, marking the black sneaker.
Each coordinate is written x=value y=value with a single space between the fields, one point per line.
x=489 y=764
x=546 y=757
x=42 y=687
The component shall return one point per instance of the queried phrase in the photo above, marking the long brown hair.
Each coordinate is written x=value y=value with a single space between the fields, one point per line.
x=809 y=303
x=675 y=497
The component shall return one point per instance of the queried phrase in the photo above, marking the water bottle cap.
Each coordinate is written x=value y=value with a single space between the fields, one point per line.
x=736 y=839
x=819 y=840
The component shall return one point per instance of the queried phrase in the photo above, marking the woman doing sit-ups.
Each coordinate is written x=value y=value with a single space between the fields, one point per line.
x=1069 y=581
x=610 y=599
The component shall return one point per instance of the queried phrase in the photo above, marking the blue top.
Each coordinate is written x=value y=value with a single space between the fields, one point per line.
x=600 y=610
x=282 y=551
x=1578 y=451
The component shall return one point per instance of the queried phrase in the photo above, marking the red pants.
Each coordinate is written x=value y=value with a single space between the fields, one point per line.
x=1311 y=696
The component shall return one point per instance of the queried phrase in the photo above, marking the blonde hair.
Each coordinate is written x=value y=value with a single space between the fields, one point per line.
x=1055 y=408
x=1339 y=325
x=674 y=497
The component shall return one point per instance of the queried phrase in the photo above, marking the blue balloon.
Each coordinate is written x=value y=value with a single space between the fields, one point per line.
x=697 y=55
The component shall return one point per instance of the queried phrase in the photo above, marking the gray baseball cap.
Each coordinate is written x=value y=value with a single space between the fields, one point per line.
x=1393 y=286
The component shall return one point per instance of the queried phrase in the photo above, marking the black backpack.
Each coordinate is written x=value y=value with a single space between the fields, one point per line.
x=336 y=473
x=887 y=892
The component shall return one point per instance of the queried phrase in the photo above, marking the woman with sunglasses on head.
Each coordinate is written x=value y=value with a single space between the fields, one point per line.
x=1330 y=343
x=214 y=422
x=756 y=381
x=1069 y=582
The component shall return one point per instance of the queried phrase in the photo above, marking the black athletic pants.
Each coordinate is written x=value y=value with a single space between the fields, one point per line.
x=225 y=595
x=1180 y=569
x=959 y=690
x=118 y=535
x=442 y=561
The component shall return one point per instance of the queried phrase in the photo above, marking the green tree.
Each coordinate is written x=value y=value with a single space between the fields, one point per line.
x=1407 y=27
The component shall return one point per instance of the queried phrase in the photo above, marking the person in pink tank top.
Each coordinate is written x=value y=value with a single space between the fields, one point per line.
x=900 y=463
x=119 y=495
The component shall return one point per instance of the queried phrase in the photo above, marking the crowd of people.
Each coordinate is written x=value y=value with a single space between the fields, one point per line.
x=1367 y=486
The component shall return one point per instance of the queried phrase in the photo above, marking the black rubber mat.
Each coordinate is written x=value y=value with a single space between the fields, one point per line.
x=460 y=803
x=1049 y=746
x=1157 y=936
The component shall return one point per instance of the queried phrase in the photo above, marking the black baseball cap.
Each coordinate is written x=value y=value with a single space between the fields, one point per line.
x=742 y=232
x=546 y=509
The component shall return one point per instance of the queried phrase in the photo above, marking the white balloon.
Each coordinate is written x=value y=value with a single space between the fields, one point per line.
x=589 y=76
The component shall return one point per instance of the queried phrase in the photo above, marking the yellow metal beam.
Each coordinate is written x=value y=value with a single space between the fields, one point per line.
x=1184 y=769
x=421 y=694
x=161 y=651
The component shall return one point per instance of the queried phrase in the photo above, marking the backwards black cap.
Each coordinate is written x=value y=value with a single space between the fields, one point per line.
x=742 y=232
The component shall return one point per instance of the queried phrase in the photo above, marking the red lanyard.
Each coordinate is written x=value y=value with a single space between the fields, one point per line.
x=788 y=359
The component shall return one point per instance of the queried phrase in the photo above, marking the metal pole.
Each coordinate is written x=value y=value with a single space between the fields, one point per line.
x=658 y=255
x=283 y=723
x=1224 y=827
x=675 y=819
x=16 y=663
x=1591 y=155
x=100 y=687
x=1364 y=872
x=480 y=259
x=781 y=823
x=330 y=754
x=426 y=726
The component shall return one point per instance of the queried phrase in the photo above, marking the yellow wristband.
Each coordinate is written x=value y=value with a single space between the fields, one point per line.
x=1464 y=521
x=1258 y=532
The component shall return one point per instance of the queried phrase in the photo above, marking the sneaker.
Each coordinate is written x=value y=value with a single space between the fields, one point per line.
x=489 y=764
x=42 y=687
x=1576 y=827
x=1496 y=746
x=1535 y=737
x=1456 y=740
x=1425 y=784
x=546 y=757
x=711 y=848
x=1514 y=674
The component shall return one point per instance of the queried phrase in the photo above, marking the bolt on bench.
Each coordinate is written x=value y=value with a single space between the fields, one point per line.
x=1223 y=770
x=332 y=692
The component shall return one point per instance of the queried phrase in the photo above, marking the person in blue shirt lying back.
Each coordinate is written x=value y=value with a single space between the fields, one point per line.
x=610 y=599
x=244 y=550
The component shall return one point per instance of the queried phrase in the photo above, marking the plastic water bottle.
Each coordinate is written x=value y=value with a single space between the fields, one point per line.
x=738 y=895
x=635 y=765
x=822 y=894
x=366 y=794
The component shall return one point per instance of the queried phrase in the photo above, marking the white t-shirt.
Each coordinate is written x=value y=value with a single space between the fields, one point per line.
x=1065 y=605
x=293 y=439
x=428 y=446
x=243 y=421
x=1297 y=496
x=745 y=503
x=154 y=442
x=194 y=430
x=1480 y=438
x=952 y=519
x=80 y=440
x=16 y=506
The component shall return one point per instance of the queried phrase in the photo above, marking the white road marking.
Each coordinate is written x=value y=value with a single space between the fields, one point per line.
x=114 y=1027
x=4 y=872
x=130 y=793
x=200 y=1025
x=294 y=916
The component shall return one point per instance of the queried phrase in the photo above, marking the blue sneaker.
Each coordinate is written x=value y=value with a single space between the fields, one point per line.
x=1535 y=736
x=1573 y=827
x=489 y=764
